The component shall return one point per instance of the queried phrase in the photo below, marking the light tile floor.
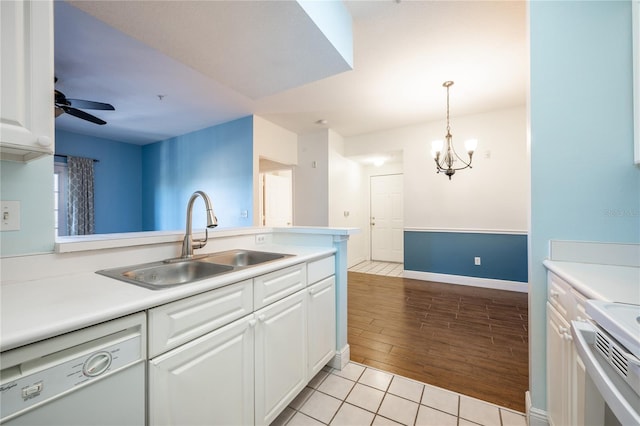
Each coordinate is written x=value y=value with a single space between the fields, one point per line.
x=359 y=395
x=389 y=269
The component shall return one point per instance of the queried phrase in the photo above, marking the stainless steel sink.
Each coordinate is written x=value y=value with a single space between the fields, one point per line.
x=173 y=272
x=159 y=275
x=242 y=258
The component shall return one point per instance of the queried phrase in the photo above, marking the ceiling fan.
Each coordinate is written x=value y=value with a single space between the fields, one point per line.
x=70 y=106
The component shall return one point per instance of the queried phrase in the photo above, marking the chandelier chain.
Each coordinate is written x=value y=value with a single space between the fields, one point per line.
x=448 y=126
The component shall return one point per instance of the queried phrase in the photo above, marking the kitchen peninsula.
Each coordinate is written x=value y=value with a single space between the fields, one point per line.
x=53 y=294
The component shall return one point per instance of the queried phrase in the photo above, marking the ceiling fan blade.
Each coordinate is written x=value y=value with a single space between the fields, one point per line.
x=83 y=115
x=81 y=103
x=60 y=99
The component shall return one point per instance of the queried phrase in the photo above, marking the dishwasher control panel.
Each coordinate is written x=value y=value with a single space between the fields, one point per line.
x=41 y=379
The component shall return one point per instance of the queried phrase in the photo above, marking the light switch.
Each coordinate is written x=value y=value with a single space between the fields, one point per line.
x=9 y=215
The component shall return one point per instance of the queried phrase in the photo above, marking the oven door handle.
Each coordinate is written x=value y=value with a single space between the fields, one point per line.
x=618 y=395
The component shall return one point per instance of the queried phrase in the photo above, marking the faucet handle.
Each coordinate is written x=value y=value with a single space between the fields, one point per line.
x=201 y=243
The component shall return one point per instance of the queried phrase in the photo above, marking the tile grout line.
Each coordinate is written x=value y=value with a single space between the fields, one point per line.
x=387 y=392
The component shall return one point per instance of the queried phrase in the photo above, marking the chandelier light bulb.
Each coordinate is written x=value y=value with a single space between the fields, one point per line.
x=436 y=148
x=471 y=145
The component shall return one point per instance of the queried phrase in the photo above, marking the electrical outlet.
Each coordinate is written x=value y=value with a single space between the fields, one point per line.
x=9 y=215
x=477 y=260
x=260 y=239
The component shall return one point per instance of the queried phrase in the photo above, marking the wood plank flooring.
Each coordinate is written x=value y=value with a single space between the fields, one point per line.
x=470 y=340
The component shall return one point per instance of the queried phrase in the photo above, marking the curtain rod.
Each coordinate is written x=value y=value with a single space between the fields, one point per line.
x=66 y=156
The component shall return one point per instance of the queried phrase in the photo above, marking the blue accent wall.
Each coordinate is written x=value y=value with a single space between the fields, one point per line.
x=217 y=160
x=32 y=184
x=584 y=185
x=118 y=179
x=504 y=256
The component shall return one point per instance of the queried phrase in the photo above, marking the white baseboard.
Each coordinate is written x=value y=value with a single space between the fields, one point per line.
x=535 y=416
x=341 y=358
x=470 y=281
x=356 y=261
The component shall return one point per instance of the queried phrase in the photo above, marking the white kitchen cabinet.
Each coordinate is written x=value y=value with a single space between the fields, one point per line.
x=321 y=325
x=216 y=358
x=208 y=381
x=565 y=370
x=26 y=80
x=578 y=372
x=181 y=321
x=319 y=269
x=280 y=355
x=275 y=285
x=558 y=368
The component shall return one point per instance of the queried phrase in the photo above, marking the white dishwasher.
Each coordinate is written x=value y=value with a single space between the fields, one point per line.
x=93 y=376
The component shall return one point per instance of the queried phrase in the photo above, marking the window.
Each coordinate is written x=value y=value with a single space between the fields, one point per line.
x=60 y=181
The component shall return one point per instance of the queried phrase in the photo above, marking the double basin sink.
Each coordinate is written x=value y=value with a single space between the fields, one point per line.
x=173 y=272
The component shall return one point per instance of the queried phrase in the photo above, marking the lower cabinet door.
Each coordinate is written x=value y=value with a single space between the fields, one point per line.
x=558 y=368
x=321 y=327
x=281 y=355
x=208 y=381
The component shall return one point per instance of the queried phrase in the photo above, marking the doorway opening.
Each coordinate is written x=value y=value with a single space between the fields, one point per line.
x=276 y=194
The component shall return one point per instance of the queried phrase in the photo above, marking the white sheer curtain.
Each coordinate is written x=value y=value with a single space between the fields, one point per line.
x=80 y=212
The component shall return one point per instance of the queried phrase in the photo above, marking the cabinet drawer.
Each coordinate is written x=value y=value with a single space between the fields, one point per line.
x=579 y=310
x=559 y=295
x=320 y=269
x=178 y=322
x=276 y=285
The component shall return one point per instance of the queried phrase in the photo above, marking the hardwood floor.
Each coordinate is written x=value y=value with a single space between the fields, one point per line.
x=466 y=339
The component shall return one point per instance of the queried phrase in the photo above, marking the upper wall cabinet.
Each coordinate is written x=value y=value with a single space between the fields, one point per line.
x=635 y=7
x=26 y=80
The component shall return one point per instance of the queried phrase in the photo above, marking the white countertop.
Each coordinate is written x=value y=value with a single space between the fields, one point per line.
x=39 y=309
x=602 y=282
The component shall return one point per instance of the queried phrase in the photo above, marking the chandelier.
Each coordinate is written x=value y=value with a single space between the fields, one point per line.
x=445 y=159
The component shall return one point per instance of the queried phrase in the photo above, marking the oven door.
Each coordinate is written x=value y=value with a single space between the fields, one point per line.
x=603 y=384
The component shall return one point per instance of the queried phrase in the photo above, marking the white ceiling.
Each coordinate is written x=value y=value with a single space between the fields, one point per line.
x=403 y=52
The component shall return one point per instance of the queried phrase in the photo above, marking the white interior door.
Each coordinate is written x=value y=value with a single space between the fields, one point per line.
x=387 y=226
x=278 y=199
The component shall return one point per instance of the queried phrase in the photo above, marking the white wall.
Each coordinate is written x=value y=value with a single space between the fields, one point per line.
x=273 y=143
x=347 y=197
x=311 y=184
x=493 y=195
